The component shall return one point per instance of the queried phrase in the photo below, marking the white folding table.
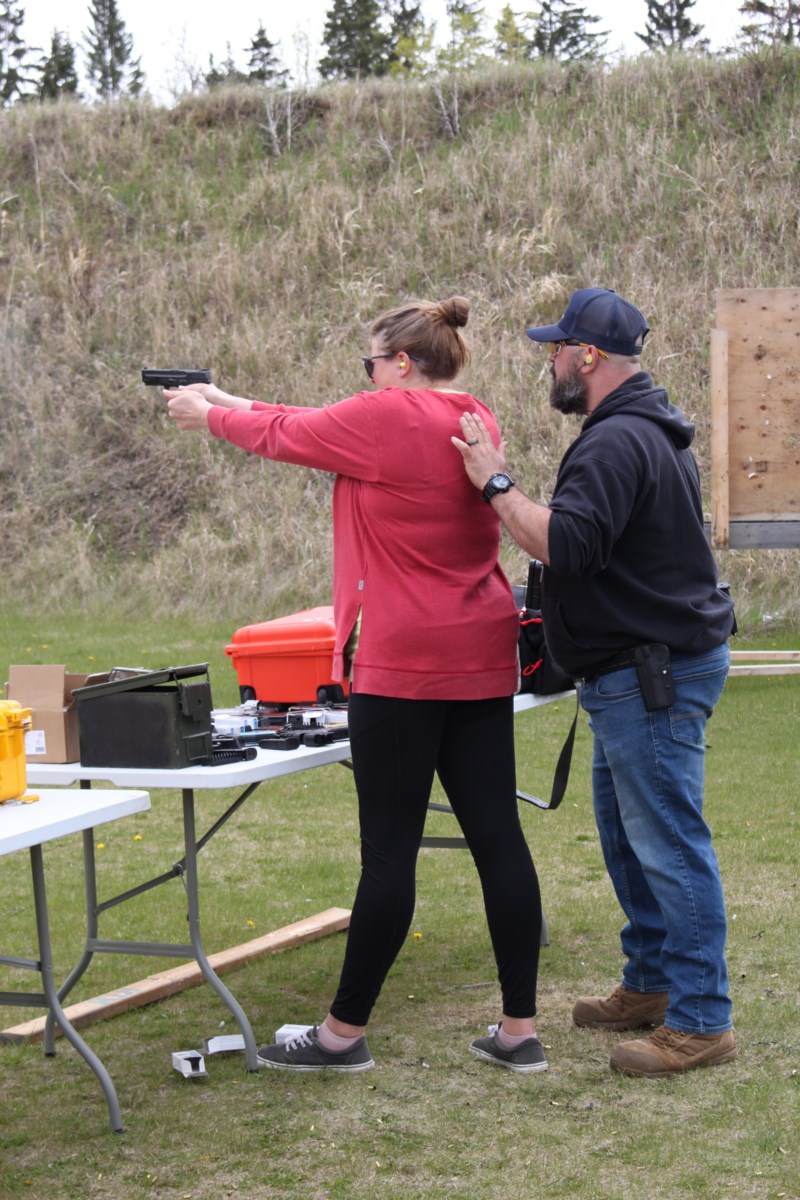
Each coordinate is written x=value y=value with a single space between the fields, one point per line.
x=27 y=826
x=268 y=764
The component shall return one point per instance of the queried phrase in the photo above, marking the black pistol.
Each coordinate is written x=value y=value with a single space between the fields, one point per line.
x=175 y=377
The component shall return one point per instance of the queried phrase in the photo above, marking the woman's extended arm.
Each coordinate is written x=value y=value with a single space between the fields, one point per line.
x=189 y=406
x=189 y=409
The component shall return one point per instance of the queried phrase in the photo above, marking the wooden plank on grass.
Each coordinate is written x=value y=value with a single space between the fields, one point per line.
x=765 y=662
x=178 y=979
x=765 y=656
x=765 y=669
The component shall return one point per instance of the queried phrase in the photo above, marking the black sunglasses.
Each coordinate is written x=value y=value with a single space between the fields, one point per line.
x=369 y=362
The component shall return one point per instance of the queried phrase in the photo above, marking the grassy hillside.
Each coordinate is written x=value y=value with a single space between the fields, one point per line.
x=259 y=233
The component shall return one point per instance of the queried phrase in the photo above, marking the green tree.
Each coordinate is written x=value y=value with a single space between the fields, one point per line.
x=404 y=17
x=560 y=30
x=414 y=52
x=226 y=72
x=669 y=27
x=510 y=42
x=59 y=76
x=467 y=45
x=264 y=64
x=775 y=22
x=411 y=39
x=15 y=73
x=110 y=65
x=355 y=42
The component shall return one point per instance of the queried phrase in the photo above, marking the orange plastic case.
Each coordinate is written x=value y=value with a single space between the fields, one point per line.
x=288 y=660
x=14 y=721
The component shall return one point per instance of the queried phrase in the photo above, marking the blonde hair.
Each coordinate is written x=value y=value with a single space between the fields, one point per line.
x=428 y=331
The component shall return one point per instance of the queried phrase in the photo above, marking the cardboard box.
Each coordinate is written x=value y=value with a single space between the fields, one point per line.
x=47 y=692
x=288 y=660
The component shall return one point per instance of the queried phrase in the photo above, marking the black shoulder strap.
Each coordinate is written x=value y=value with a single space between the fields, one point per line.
x=562 y=766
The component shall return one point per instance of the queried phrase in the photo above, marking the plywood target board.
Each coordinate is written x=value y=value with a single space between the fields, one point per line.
x=755 y=409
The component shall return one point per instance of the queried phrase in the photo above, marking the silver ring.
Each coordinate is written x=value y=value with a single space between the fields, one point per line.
x=473 y=443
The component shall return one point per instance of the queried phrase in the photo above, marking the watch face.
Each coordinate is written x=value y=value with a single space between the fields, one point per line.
x=498 y=483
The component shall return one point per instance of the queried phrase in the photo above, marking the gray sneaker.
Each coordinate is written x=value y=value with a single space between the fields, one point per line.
x=304 y=1053
x=528 y=1055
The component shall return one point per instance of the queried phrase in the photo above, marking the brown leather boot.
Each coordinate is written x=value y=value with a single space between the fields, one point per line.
x=623 y=1009
x=666 y=1052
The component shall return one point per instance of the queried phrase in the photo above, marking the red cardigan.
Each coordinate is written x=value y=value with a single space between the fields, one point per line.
x=415 y=547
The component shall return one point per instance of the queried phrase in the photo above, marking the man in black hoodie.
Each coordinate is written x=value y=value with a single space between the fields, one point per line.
x=632 y=608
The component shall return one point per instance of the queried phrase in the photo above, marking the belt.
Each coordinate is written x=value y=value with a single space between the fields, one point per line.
x=625 y=658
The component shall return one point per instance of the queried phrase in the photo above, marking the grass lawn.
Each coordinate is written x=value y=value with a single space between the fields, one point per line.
x=430 y=1121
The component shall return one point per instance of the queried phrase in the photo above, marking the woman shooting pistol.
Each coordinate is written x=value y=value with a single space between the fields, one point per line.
x=426 y=628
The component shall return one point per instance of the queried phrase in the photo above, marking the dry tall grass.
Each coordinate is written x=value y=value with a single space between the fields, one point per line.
x=259 y=233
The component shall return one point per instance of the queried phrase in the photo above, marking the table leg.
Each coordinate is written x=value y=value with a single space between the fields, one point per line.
x=193 y=918
x=90 y=891
x=54 y=1004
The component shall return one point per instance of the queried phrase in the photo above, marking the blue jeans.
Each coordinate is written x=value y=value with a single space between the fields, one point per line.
x=647 y=782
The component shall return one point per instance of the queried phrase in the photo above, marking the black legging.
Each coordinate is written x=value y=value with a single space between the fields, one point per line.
x=397 y=745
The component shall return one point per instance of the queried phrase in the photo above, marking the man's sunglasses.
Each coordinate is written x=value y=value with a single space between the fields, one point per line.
x=369 y=363
x=556 y=346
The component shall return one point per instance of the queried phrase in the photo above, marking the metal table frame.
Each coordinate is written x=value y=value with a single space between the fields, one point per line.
x=268 y=764
x=56 y=814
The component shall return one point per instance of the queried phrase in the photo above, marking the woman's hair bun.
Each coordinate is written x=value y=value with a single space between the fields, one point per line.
x=455 y=311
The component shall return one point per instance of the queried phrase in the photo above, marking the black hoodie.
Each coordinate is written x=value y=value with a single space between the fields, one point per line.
x=629 y=558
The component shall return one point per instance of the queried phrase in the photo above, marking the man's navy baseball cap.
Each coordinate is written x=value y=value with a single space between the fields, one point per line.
x=599 y=317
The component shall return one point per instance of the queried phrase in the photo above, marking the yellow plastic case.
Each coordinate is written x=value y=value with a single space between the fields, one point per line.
x=14 y=721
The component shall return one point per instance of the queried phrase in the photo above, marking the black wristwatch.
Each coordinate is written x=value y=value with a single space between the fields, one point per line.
x=497 y=484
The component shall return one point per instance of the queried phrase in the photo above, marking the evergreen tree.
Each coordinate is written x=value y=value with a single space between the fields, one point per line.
x=15 y=74
x=669 y=27
x=411 y=39
x=226 y=72
x=414 y=53
x=110 y=65
x=561 y=30
x=264 y=65
x=510 y=42
x=59 y=76
x=404 y=16
x=467 y=44
x=354 y=41
x=776 y=22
